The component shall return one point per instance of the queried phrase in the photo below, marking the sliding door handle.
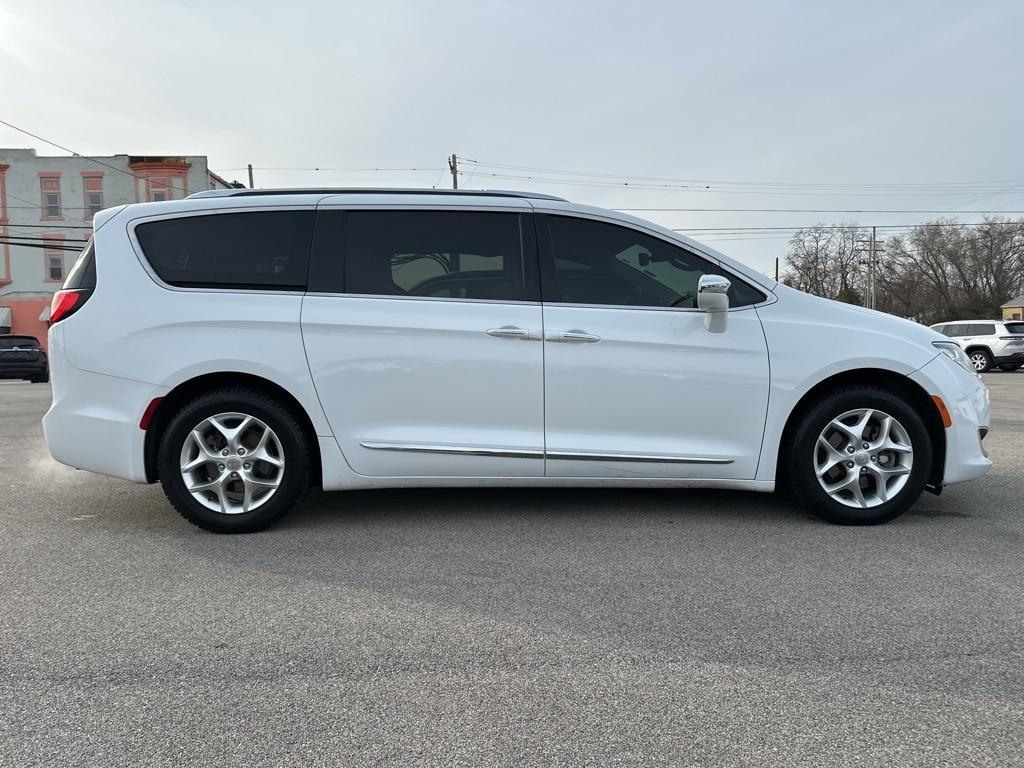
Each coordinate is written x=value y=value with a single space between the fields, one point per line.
x=512 y=332
x=575 y=335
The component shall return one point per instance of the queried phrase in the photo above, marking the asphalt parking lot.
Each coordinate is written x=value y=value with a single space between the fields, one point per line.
x=526 y=627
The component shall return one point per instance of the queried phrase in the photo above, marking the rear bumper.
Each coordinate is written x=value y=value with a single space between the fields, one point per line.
x=966 y=397
x=22 y=370
x=1013 y=357
x=93 y=422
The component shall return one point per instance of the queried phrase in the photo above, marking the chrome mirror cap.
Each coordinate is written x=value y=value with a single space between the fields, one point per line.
x=713 y=284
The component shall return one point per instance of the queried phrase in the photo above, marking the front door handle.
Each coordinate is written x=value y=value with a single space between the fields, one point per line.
x=512 y=332
x=573 y=336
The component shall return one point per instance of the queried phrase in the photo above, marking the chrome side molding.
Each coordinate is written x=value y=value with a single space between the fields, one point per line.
x=539 y=454
x=643 y=457
x=453 y=449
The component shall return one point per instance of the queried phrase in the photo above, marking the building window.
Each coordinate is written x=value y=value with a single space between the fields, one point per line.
x=50 y=188
x=159 y=195
x=53 y=258
x=93 y=194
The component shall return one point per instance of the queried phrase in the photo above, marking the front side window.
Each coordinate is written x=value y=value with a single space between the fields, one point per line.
x=956 y=329
x=440 y=254
x=600 y=263
x=261 y=249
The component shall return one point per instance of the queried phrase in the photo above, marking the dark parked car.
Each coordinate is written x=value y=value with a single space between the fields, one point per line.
x=21 y=357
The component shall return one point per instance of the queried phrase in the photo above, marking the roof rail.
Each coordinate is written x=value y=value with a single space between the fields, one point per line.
x=372 y=191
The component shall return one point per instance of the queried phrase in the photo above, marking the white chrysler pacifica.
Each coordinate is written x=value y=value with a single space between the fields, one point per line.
x=239 y=346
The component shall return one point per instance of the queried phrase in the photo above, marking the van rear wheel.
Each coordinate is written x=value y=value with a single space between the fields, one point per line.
x=859 y=456
x=234 y=461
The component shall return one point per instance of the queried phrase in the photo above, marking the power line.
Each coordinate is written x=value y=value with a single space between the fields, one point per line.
x=741 y=229
x=815 y=210
x=43 y=246
x=950 y=185
x=666 y=187
x=49 y=226
x=30 y=238
x=318 y=168
x=33 y=206
x=76 y=154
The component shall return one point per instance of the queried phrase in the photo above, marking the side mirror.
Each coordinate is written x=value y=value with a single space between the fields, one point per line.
x=713 y=298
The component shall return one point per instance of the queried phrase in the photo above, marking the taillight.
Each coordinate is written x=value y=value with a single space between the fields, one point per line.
x=66 y=303
x=1010 y=338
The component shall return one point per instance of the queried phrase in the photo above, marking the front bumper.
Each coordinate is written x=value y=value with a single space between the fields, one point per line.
x=966 y=398
x=93 y=422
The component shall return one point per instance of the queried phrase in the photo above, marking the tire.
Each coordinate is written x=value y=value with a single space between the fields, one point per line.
x=981 y=359
x=44 y=379
x=1010 y=367
x=805 y=455
x=258 y=493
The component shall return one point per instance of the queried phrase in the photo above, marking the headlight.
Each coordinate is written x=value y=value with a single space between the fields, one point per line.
x=953 y=351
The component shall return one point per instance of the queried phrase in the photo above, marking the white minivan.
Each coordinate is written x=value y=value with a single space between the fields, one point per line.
x=239 y=346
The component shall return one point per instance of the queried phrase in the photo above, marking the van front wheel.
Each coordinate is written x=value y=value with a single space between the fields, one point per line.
x=859 y=456
x=234 y=461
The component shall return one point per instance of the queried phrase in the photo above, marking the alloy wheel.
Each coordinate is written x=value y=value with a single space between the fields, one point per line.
x=863 y=458
x=980 y=361
x=232 y=463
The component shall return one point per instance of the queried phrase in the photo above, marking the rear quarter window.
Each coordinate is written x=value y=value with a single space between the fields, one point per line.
x=83 y=273
x=259 y=249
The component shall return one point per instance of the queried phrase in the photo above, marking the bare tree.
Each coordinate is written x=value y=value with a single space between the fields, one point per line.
x=824 y=260
x=936 y=271
x=946 y=270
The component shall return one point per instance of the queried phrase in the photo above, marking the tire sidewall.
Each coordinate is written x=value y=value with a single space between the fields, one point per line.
x=801 y=467
x=293 y=445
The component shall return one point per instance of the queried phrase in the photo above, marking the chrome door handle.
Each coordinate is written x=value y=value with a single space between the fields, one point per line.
x=575 y=335
x=512 y=332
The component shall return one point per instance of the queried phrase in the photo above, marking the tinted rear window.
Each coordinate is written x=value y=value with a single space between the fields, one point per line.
x=1014 y=327
x=22 y=342
x=266 y=249
x=83 y=273
x=981 y=329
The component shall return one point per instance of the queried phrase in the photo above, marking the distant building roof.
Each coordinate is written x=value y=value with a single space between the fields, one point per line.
x=1015 y=302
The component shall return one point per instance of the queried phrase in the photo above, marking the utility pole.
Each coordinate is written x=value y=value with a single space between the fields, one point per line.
x=877 y=249
x=453 y=166
x=250 y=176
x=871 y=271
x=776 y=269
x=870 y=276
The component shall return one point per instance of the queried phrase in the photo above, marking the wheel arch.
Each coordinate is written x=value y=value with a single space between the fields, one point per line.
x=197 y=385
x=979 y=348
x=907 y=388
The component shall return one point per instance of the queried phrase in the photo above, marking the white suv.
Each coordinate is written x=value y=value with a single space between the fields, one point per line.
x=240 y=346
x=988 y=343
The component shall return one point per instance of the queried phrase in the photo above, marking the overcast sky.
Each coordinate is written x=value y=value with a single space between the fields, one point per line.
x=778 y=93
